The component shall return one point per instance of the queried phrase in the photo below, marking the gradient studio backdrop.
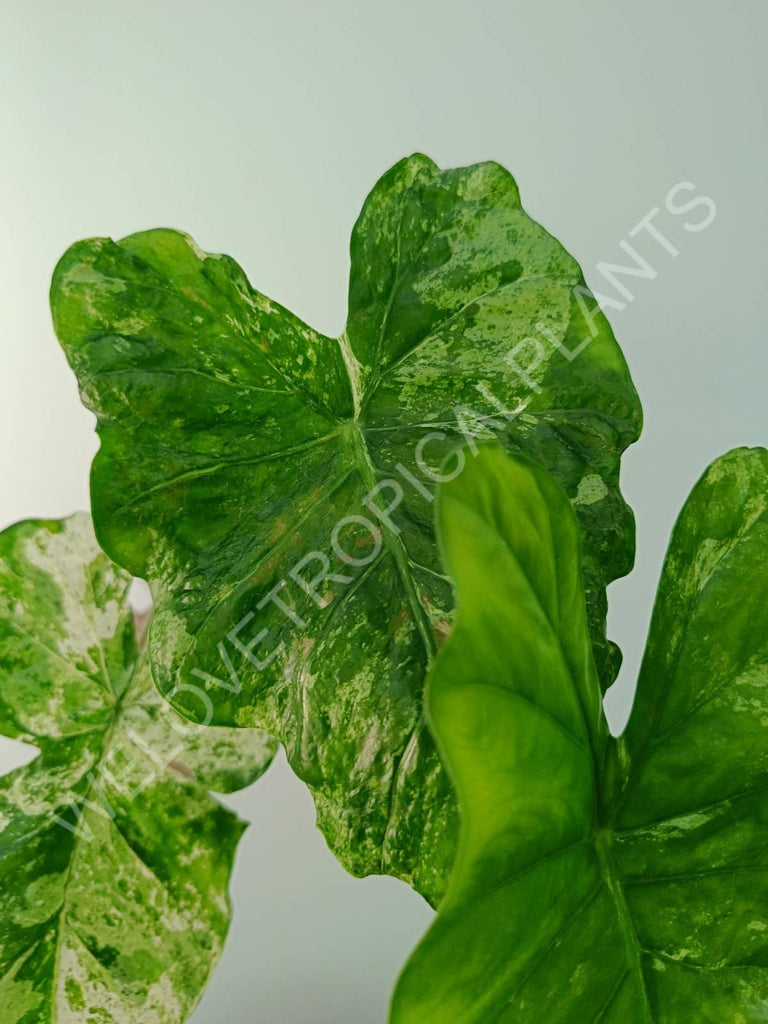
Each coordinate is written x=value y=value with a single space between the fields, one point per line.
x=259 y=128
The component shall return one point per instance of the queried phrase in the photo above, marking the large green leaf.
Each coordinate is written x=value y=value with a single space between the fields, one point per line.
x=234 y=438
x=114 y=859
x=624 y=882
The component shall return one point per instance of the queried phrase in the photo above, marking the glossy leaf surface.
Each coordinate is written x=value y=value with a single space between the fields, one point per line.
x=601 y=880
x=236 y=442
x=114 y=858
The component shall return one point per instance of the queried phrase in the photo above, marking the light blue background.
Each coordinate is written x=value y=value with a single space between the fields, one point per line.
x=259 y=128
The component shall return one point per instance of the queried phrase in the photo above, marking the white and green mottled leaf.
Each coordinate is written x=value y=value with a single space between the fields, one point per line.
x=114 y=858
x=234 y=438
x=601 y=880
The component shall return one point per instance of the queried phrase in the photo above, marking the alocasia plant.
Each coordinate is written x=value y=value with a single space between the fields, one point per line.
x=235 y=440
x=598 y=879
x=114 y=858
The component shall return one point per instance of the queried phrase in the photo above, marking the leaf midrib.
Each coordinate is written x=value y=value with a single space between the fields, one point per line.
x=109 y=732
x=614 y=884
x=61 y=923
x=369 y=475
x=597 y=836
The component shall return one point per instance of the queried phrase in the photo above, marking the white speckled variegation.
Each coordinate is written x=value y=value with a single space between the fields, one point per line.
x=234 y=438
x=114 y=858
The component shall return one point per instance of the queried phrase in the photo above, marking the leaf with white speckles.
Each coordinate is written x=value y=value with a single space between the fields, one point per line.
x=620 y=881
x=114 y=858
x=234 y=438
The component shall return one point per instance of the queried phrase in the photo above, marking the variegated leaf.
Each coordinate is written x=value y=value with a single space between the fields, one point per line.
x=619 y=881
x=235 y=440
x=114 y=858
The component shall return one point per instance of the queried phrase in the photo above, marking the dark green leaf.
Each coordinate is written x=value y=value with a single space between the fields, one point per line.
x=114 y=859
x=234 y=439
x=601 y=880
